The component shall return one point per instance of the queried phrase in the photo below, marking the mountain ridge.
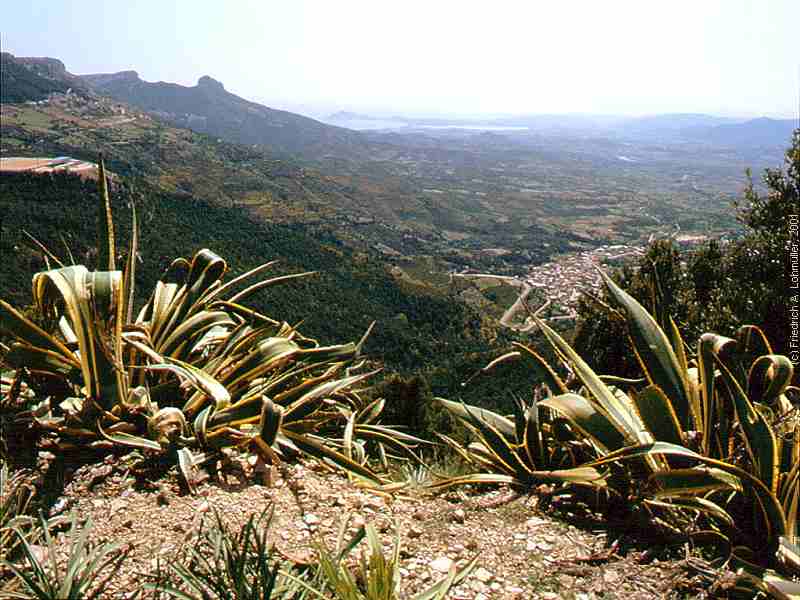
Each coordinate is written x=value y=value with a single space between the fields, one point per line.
x=666 y=127
x=209 y=108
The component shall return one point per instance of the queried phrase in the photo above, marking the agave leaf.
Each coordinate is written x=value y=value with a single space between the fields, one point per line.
x=459 y=449
x=127 y=439
x=347 y=440
x=613 y=380
x=238 y=413
x=575 y=475
x=267 y=283
x=271 y=421
x=484 y=457
x=129 y=278
x=544 y=373
x=105 y=242
x=654 y=352
x=768 y=378
x=246 y=315
x=532 y=438
x=48 y=256
x=38 y=359
x=502 y=450
x=709 y=346
x=157 y=309
x=385 y=436
x=694 y=482
x=473 y=479
x=502 y=424
x=619 y=414
x=242 y=340
x=678 y=345
x=371 y=411
x=206 y=269
x=585 y=418
x=321 y=452
x=198 y=379
x=752 y=341
x=658 y=415
x=200 y=426
x=220 y=291
x=760 y=439
x=300 y=407
x=263 y=357
x=693 y=392
x=192 y=329
x=92 y=304
x=697 y=504
x=290 y=395
x=222 y=437
x=791 y=498
x=24 y=329
x=339 y=352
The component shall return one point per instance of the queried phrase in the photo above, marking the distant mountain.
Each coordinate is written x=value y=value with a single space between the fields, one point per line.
x=720 y=131
x=346 y=115
x=671 y=123
x=21 y=82
x=568 y=123
x=208 y=108
x=554 y=124
x=760 y=132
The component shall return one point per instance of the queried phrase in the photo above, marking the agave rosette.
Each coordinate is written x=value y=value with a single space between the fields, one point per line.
x=716 y=436
x=195 y=371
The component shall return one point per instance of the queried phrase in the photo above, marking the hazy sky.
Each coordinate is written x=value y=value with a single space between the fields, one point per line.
x=731 y=57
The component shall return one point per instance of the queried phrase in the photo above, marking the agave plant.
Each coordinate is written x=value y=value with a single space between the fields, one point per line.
x=715 y=436
x=728 y=413
x=194 y=371
x=522 y=452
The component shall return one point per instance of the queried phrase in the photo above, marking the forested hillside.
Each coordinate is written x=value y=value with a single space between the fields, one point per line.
x=414 y=333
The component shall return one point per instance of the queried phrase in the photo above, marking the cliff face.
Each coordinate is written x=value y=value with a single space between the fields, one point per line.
x=105 y=79
x=45 y=66
x=26 y=78
x=23 y=82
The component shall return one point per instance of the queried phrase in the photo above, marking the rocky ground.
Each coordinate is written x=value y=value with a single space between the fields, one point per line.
x=524 y=553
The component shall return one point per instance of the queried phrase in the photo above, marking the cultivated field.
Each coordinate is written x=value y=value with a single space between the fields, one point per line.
x=44 y=164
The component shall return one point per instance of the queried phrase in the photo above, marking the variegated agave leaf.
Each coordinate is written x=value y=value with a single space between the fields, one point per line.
x=655 y=353
x=91 y=304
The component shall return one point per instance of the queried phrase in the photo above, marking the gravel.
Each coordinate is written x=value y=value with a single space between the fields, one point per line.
x=523 y=552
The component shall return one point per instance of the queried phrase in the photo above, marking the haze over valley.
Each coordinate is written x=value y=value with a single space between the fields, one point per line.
x=492 y=194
